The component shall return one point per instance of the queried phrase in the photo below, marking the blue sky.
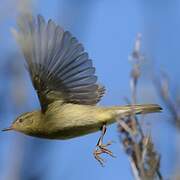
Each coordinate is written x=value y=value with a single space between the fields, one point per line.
x=108 y=30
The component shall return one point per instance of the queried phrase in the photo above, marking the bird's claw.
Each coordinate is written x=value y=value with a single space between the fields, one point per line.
x=102 y=149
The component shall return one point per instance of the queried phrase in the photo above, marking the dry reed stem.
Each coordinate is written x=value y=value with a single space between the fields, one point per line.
x=144 y=159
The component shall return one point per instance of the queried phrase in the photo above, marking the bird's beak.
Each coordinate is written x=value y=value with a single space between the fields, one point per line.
x=7 y=129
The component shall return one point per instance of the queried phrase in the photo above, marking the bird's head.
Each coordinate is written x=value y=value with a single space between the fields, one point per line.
x=23 y=123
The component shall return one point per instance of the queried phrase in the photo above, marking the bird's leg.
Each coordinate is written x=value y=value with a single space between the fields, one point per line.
x=102 y=148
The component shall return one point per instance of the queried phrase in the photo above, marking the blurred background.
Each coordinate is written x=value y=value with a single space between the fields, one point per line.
x=108 y=30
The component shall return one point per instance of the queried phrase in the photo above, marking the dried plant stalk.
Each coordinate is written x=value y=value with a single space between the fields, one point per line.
x=172 y=103
x=169 y=100
x=144 y=159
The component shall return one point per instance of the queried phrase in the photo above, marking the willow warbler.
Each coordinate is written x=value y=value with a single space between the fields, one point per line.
x=64 y=78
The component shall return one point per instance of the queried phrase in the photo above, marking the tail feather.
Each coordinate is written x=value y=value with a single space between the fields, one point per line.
x=138 y=109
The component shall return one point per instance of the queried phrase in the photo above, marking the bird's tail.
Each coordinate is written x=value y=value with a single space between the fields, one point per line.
x=137 y=109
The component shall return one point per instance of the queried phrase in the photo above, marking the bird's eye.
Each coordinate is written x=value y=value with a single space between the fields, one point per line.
x=20 y=120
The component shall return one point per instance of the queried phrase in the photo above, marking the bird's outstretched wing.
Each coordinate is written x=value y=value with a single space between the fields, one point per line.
x=58 y=66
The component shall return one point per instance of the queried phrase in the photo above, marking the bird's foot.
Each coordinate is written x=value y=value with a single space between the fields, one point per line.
x=102 y=148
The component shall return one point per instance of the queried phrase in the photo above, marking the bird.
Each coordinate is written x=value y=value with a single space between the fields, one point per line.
x=64 y=79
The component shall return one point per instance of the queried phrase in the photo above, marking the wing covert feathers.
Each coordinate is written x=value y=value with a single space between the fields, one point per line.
x=59 y=67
